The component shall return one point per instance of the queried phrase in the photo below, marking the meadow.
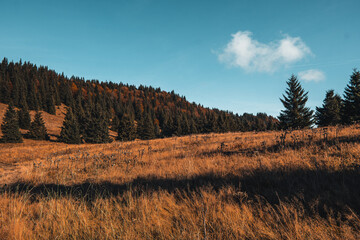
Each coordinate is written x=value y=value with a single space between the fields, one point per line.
x=254 y=185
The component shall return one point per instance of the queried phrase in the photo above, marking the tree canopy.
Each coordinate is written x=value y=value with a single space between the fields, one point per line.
x=295 y=115
x=10 y=127
x=351 y=109
x=330 y=112
x=37 y=128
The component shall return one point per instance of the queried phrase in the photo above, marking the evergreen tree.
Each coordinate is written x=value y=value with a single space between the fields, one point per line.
x=32 y=100
x=115 y=123
x=10 y=127
x=351 y=109
x=6 y=89
x=177 y=124
x=70 y=130
x=146 y=129
x=126 y=129
x=43 y=89
x=193 y=128
x=329 y=113
x=24 y=117
x=168 y=125
x=96 y=126
x=295 y=115
x=185 y=127
x=211 y=123
x=50 y=103
x=37 y=128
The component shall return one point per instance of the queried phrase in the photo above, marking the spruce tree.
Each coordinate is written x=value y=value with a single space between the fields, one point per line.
x=351 y=109
x=50 y=103
x=70 y=130
x=295 y=115
x=126 y=129
x=37 y=128
x=185 y=127
x=115 y=122
x=193 y=128
x=146 y=129
x=10 y=127
x=329 y=113
x=177 y=125
x=168 y=125
x=96 y=126
x=24 y=118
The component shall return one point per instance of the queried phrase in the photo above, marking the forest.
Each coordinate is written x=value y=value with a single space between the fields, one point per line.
x=94 y=107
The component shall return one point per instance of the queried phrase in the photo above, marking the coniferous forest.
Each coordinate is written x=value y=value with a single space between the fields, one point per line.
x=94 y=107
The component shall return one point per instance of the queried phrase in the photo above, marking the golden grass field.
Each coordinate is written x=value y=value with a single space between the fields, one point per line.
x=217 y=186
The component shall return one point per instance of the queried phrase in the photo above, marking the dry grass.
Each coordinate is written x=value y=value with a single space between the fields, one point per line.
x=217 y=186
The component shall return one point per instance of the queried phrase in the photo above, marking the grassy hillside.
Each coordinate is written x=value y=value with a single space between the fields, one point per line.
x=166 y=114
x=217 y=186
x=53 y=122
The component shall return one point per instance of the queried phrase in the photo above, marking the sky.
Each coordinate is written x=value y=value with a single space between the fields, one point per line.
x=231 y=55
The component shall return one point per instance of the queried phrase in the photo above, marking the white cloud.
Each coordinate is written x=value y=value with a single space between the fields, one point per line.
x=245 y=52
x=311 y=75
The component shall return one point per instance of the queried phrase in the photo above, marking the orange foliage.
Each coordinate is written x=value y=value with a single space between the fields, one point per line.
x=74 y=88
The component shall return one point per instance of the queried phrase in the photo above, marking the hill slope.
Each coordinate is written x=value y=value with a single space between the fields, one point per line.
x=168 y=113
x=213 y=186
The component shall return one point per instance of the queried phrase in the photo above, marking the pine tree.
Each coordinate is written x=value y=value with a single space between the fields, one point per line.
x=70 y=130
x=126 y=129
x=115 y=122
x=351 y=109
x=329 y=114
x=146 y=129
x=10 y=127
x=211 y=123
x=24 y=117
x=185 y=127
x=193 y=128
x=295 y=115
x=37 y=128
x=177 y=124
x=168 y=125
x=96 y=126
x=50 y=103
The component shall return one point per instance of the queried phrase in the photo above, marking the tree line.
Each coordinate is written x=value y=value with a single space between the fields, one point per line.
x=334 y=110
x=94 y=107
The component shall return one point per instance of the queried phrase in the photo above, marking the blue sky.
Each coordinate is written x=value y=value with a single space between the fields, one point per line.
x=232 y=55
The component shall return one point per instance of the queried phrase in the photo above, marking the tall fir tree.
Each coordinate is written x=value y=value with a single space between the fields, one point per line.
x=330 y=112
x=115 y=122
x=185 y=127
x=37 y=128
x=146 y=128
x=296 y=115
x=70 y=130
x=96 y=126
x=24 y=117
x=50 y=103
x=10 y=127
x=351 y=109
x=168 y=125
x=126 y=129
x=177 y=125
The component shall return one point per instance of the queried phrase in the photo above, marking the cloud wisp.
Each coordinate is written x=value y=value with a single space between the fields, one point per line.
x=312 y=75
x=247 y=53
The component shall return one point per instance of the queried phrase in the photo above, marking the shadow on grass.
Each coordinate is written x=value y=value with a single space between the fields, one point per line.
x=322 y=188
